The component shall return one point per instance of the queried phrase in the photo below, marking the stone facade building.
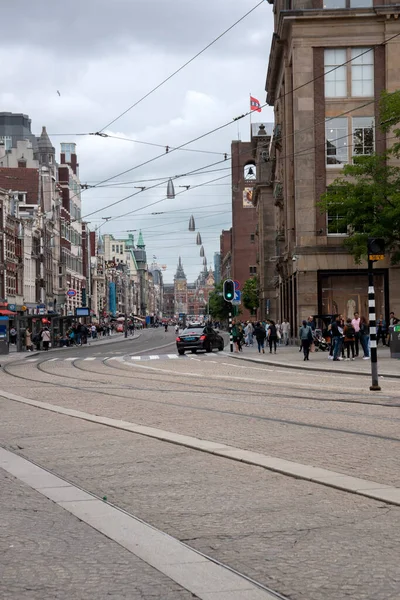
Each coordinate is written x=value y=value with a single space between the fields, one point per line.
x=328 y=65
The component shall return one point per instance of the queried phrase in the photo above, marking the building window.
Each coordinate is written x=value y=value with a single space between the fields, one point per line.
x=336 y=135
x=335 y=80
x=67 y=150
x=6 y=143
x=347 y=3
x=362 y=72
x=253 y=270
x=363 y=135
x=252 y=238
x=335 y=223
x=113 y=248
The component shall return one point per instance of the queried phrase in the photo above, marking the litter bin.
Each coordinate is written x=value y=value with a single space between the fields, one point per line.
x=395 y=341
x=4 y=335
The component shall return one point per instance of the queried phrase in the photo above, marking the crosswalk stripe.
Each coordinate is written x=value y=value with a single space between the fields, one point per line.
x=31 y=360
x=172 y=355
x=155 y=357
x=52 y=359
x=90 y=358
x=136 y=357
x=70 y=359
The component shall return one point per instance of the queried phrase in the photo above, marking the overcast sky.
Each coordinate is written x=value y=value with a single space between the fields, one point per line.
x=102 y=56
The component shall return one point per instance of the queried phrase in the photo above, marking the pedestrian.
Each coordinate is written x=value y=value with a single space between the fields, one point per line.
x=260 y=336
x=28 y=340
x=381 y=330
x=249 y=334
x=235 y=335
x=240 y=337
x=311 y=323
x=285 y=327
x=356 y=324
x=46 y=337
x=393 y=320
x=94 y=331
x=349 y=339
x=337 y=338
x=364 y=337
x=272 y=335
x=306 y=338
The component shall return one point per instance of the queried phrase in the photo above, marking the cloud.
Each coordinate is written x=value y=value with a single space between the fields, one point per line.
x=102 y=57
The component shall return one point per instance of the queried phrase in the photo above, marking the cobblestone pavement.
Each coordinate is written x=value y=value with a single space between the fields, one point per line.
x=304 y=540
x=47 y=554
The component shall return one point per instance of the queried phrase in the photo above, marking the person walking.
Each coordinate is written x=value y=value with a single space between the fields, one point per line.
x=249 y=334
x=364 y=337
x=337 y=338
x=306 y=338
x=46 y=337
x=356 y=324
x=349 y=339
x=260 y=335
x=235 y=335
x=272 y=336
x=381 y=330
x=285 y=327
x=28 y=340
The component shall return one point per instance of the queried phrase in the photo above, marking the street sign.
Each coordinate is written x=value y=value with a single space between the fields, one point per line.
x=237 y=298
x=71 y=293
x=376 y=257
x=12 y=307
x=237 y=284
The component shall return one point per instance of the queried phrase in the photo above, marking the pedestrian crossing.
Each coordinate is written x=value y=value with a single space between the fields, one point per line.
x=140 y=358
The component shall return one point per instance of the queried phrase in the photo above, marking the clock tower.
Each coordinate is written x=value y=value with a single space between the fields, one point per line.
x=180 y=290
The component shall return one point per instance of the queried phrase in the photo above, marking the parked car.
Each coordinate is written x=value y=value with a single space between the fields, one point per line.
x=199 y=338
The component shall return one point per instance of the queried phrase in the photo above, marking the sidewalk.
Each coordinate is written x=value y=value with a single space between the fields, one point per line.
x=100 y=341
x=290 y=357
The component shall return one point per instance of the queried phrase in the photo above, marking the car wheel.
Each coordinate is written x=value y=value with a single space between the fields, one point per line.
x=220 y=348
x=193 y=351
x=209 y=348
x=181 y=352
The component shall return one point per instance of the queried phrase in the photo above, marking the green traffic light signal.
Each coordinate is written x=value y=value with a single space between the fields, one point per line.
x=229 y=290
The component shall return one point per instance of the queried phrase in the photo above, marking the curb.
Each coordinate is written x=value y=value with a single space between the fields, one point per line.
x=307 y=368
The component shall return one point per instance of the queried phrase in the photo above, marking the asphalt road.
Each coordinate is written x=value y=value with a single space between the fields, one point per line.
x=301 y=539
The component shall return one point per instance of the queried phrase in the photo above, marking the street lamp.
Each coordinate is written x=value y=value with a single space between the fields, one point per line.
x=192 y=225
x=170 y=190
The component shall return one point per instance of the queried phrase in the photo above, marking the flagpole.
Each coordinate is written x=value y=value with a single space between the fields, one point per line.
x=250 y=113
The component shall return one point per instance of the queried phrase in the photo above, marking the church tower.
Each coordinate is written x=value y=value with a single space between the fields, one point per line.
x=180 y=290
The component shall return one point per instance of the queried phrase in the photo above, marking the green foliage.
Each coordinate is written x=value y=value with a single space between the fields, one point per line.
x=250 y=296
x=219 y=308
x=367 y=196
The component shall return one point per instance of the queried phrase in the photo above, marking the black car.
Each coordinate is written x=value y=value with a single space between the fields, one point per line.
x=199 y=338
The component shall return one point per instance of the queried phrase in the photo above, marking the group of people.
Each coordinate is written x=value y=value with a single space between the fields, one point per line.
x=269 y=332
x=345 y=336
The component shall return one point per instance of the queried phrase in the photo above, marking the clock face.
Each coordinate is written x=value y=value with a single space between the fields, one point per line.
x=250 y=172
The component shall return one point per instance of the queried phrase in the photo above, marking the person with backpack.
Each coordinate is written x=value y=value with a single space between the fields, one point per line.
x=260 y=335
x=272 y=335
x=349 y=339
x=306 y=338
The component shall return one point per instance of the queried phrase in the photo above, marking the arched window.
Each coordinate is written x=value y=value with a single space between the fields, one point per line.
x=250 y=171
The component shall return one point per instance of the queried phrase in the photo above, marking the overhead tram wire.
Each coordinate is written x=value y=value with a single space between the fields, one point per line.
x=181 y=67
x=241 y=117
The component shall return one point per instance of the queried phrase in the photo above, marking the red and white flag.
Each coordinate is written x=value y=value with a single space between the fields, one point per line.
x=255 y=104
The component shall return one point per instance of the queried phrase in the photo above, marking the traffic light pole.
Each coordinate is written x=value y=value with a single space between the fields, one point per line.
x=230 y=331
x=372 y=328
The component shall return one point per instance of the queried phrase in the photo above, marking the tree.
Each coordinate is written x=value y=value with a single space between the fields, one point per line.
x=250 y=296
x=365 y=201
x=219 y=308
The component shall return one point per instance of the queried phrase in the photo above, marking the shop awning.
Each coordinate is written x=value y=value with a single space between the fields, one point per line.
x=6 y=313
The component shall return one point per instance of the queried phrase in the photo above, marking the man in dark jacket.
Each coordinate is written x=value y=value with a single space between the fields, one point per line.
x=337 y=338
x=260 y=335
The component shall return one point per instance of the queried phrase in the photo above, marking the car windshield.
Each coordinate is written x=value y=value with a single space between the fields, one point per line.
x=195 y=330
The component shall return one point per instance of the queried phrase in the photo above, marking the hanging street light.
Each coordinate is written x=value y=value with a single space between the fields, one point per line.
x=170 y=190
x=202 y=251
x=205 y=261
x=192 y=226
x=198 y=239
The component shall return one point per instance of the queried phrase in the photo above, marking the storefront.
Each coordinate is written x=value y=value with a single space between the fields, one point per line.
x=346 y=292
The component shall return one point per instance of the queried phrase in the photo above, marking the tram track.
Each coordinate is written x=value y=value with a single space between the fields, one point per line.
x=236 y=414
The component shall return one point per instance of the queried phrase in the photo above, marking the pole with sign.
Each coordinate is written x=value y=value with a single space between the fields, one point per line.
x=376 y=251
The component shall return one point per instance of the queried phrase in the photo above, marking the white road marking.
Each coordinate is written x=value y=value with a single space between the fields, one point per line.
x=70 y=359
x=154 y=357
x=52 y=359
x=90 y=358
x=136 y=357
x=172 y=355
x=31 y=360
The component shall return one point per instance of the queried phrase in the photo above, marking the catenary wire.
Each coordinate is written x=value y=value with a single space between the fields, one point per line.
x=182 y=66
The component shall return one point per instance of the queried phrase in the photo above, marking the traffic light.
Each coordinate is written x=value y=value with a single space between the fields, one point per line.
x=84 y=297
x=376 y=248
x=229 y=290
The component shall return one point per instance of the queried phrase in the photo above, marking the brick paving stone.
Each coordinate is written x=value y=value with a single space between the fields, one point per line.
x=306 y=541
x=48 y=554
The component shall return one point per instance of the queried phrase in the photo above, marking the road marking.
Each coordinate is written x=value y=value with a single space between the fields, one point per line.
x=193 y=570
x=136 y=357
x=90 y=358
x=172 y=356
x=53 y=359
x=31 y=360
x=326 y=477
x=154 y=357
x=70 y=359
